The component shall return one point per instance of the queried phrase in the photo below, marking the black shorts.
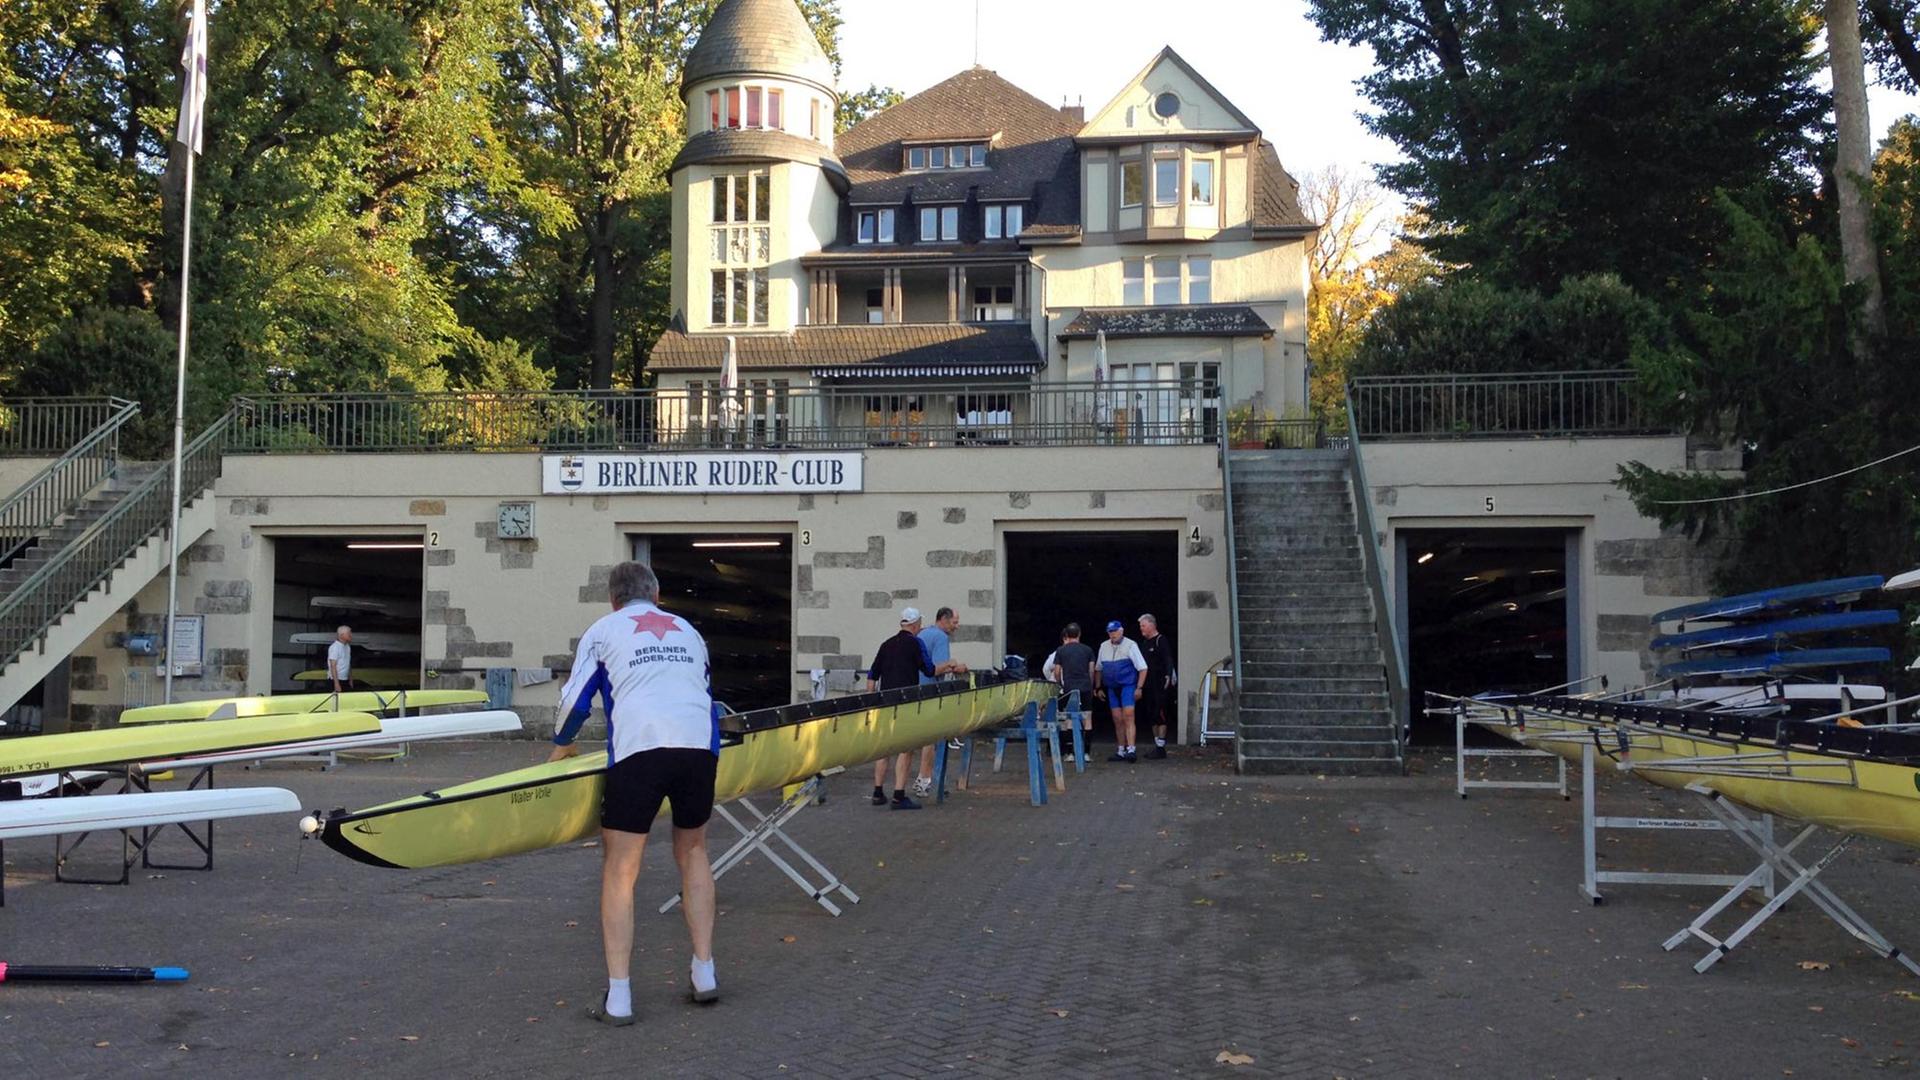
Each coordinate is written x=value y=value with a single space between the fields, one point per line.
x=636 y=784
x=1147 y=704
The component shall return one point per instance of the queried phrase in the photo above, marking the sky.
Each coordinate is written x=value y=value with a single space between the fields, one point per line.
x=1264 y=55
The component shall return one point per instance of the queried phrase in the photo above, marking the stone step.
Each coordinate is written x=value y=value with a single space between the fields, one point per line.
x=1303 y=596
x=1308 y=685
x=1328 y=766
x=1280 y=664
x=1356 y=704
x=1266 y=745
x=1325 y=669
x=1301 y=622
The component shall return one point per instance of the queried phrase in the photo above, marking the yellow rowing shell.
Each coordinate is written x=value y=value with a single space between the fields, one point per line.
x=283 y=704
x=1842 y=792
x=125 y=746
x=559 y=802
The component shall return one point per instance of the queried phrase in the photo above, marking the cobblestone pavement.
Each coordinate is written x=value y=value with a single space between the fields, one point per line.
x=1149 y=919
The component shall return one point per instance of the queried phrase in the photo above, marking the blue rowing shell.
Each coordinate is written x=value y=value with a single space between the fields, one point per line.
x=1777 y=663
x=1770 y=601
x=1773 y=632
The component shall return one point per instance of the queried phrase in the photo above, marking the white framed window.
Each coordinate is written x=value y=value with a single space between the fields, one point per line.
x=1016 y=220
x=949 y=223
x=937 y=157
x=1133 y=282
x=1132 y=185
x=775 y=99
x=755 y=117
x=1199 y=279
x=875 y=227
x=1002 y=222
x=990 y=221
x=978 y=155
x=741 y=246
x=993 y=303
x=740 y=297
x=742 y=197
x=1166 y=181
x=886 y=226
x=713 y=110
x=917 y=157
x=929 y=224
x=1200 y=182
x=1166 y=281
x=733 y=106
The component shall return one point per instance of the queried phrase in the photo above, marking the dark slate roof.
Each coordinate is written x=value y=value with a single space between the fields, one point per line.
x=1276 y=195
x=1033 y=139
x=887 y=349
x=1203 y=320
x=730 y=145
x=758 y=37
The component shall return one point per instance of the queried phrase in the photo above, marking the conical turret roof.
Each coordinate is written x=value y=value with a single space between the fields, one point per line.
x=758 y=37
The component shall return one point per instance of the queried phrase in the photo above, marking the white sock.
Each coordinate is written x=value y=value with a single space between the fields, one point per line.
x=703 y=979
x=619 y=997
x=1159 y=742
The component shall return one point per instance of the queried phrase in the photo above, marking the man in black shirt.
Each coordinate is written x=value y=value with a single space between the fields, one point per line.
x=1073 y=670
x=1156 y=697
x=899 y=661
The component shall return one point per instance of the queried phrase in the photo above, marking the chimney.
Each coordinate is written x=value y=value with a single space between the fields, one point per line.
x=1076 y=112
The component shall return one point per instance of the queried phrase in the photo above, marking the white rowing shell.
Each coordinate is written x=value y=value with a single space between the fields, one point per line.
x=366 y=603
x=53 y=817
x=376 y=640
x=393 y=729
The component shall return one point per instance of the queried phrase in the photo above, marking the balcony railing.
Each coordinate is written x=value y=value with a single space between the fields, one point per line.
x=49 y=427
x=1561 y=404
x=758 y=416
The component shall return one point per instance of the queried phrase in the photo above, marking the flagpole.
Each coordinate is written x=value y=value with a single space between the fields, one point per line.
x=179 y=429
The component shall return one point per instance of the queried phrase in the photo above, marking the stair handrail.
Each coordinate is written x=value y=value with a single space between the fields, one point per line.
x=1383 y=627
x=58 y=586
x=60 y=487
x=1233 y=568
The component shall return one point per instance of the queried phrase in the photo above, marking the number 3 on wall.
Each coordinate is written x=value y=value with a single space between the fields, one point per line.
x=806 y=537
x=1487 y=504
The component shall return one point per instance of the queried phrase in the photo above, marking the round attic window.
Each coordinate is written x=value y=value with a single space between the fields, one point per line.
x=1166 y=105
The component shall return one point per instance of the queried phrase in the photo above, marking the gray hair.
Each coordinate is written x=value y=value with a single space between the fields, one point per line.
x=343 y=628
x=632 y=581
x=1150 y=621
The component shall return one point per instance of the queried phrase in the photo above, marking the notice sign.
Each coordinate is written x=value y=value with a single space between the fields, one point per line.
x=699 y=474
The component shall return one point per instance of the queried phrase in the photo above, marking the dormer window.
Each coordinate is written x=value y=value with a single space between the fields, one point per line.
x=939 y=223
x=1002 y=222
x=874 y=227
x=956 y=156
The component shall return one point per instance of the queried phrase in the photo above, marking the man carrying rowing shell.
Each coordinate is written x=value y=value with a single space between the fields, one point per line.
x=663 y=743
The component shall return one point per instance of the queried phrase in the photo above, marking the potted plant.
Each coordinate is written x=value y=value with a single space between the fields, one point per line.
x=1246 y=427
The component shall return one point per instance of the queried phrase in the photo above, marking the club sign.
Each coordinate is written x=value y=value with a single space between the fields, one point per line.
x=699 y=474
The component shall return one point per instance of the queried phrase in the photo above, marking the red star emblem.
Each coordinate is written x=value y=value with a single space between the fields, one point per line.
x=657 y=623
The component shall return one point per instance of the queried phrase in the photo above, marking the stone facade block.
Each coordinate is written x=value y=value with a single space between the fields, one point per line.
x=948 y=559
x=249 y=507
x=803 y=578
x=874 y=558
x=842 y=661
x=94 y=717
x=1211 y=500
x=1201 y=548
x=1202 y=600
x=558 y=663
x=812 y=601
x=439 y=556
x=595 y=590
x=874 y=600
x=83 y=665
x=602 y=502
x=221 y=605
x=954 y=515
x=204 y=552
x=427 y=508
x=1386 y=496
x=906 y=594
x=1019 y=500
x=804 y=502
x=1096 y=500
x=973 y=632
x=809 y=643
x=1623 y=633
x=516 y=560
x=906 y=519
x=232 y=587
x=980 y=598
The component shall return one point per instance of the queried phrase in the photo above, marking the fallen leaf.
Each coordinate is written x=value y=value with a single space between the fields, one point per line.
x=1061 y=1013
x=1203 y=902
x=571 y=923
x=1633 y=986
x=1228 y=1057
x=101 y=1045
x=1851 y=1044
x=409 y=1038
x=1908 y=994
x=1816 y=1008
x=183 y=1046
x=489 y=883
x=1124 y=887
x=789 y=939
x=1289 y=857
x=1814 y=965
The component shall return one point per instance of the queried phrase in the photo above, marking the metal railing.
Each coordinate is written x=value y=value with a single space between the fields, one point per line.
x=61 y=487
x=39 y=427
x=1390 y=647
x=1304 y=433
x=62 y=582
x=757 y=416
x=1536 y=405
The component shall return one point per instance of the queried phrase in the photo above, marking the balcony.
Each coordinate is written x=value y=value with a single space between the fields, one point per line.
x=760 y=416
x=1557 y=404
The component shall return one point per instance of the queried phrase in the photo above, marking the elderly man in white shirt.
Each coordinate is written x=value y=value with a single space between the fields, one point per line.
x=340 y=659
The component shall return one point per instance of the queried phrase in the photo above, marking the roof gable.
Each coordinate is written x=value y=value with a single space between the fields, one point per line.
x=1203 y=110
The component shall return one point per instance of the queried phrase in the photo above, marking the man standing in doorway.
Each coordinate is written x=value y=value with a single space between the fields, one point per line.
x=1117 y=676
x=340 y=659
x=900 y=661
x=664 y=743
x=1156 y=694
x=938 y=640
x=1072 y=667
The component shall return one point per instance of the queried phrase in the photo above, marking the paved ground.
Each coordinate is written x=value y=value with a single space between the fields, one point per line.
x=1148 y=920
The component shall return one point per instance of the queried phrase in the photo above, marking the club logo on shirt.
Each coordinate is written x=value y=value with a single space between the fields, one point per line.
x=657 y=623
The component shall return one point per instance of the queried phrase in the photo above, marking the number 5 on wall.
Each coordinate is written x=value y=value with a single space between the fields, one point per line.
x=1487 y=504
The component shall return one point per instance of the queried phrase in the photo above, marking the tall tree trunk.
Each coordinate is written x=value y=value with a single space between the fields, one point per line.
x=600 y=377
x=1853 y=164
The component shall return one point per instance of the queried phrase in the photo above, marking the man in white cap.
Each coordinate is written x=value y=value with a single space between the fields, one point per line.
x=898 y=662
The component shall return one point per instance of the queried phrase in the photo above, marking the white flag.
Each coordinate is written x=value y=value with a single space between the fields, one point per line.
x=193 y=89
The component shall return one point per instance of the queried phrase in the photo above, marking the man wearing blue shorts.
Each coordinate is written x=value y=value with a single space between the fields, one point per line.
x=1118 y=673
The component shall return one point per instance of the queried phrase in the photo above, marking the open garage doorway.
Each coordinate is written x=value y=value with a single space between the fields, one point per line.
x=1486 y=609
x=737 y=591
x=370 y=583
x=1089 y=577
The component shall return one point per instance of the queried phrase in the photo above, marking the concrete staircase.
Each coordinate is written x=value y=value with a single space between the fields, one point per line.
x=125 y=477
x=1311 y=678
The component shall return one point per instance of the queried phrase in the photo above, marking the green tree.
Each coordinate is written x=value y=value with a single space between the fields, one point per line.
x=1587 y=136
x=860 y=104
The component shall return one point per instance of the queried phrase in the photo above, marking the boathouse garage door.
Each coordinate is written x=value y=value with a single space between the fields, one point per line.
x=1487 y=609
x=370 y=583
x=1089 y=577
x=737 y=591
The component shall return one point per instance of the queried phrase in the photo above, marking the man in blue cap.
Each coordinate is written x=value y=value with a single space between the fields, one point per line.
x=1118 y=674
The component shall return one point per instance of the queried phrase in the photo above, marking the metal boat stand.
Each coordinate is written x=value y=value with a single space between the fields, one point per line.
x=770 y=827
x=1801 y=877
x=1461 y=752
x=140 y=850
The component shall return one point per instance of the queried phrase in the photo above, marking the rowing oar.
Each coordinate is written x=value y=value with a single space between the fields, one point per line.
x=88 y=973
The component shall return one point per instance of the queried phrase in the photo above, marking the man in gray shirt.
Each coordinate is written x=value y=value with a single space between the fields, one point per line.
x=1072 y=666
